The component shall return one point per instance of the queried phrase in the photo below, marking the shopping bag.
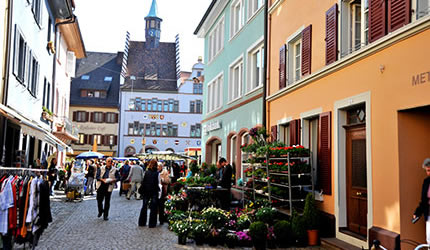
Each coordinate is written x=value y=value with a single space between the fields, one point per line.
x=125 y=186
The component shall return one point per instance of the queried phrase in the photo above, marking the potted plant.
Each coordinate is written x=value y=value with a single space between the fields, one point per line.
x=231 y=239
x=298 y=226
x=271 y=239
x=265 y=214
x=244 y=240
x=215 y=217
x=311 y=215
x=258 y=233
x=181 y=228
x=282 y=231
x=200 y=232
x=213 y=237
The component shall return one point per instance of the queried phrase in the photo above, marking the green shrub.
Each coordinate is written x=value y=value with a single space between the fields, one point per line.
x=311 y=213
x=258 y=231
x=298 y=226
x=283 y=233
x=265 y=214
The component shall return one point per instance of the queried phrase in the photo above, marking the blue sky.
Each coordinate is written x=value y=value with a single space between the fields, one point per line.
x=104 y=23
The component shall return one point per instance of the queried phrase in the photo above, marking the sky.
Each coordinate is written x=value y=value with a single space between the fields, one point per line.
x=104 y=24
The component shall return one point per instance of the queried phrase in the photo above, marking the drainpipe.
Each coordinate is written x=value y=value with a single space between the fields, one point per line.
x=266 y=9
x=9 y=10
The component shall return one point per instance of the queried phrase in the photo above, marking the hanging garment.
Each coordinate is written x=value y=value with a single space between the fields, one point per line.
x=6 y=202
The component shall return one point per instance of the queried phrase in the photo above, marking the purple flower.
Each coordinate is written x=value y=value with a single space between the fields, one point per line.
x=253 y=132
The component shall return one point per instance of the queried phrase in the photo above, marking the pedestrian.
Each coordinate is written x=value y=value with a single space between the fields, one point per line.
x=176 y=172
x=91 y=174
x=52 y=175
x=423 y=206
x=106 y=177
x=124 y=171
x=150 y=191
x=135 y=177
x=225 y=174
x=165 y=181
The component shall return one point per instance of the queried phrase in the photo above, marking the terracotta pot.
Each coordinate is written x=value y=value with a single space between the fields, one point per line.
x=313 y=237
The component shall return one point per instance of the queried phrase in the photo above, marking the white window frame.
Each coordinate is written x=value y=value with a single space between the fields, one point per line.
x=415 y=6
x=250 y=76
x=253 y=8
x=233 y=147
x=234 y=85
x=245 y=138
x=291 y=42
x=216 y=40
x=297 y=66
x=236 y=22
x=215 y=94
x=348 y=44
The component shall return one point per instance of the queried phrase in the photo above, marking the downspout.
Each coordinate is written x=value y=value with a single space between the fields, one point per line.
x=9 y=10
x=266 y=9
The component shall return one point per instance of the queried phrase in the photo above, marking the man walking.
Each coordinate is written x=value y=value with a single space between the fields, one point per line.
x=135 y=177
x=225 y=174
x=91 y=173
x=106 y=177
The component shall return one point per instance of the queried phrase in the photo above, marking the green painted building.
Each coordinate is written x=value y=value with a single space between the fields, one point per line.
x=233 y=91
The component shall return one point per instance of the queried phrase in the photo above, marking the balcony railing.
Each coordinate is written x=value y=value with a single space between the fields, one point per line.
x=70 y=128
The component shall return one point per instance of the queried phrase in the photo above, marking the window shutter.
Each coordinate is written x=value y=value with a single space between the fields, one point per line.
x=324 y=153
x=102 y=139
x=74 y=116
x=274 y=133
x=92 y=116
x=115 y=138
x=27 y=70
x=85 y=139
x=116 y=117
x=90 y=139
x=16 y=51
x=36 y=86
x=331 y=35
x=306 y=50
x=283 y=67
x=87 y=116
x=399 y=14
x=71 y=63
x=104 y=117
x=295 y=132
x=377 y=22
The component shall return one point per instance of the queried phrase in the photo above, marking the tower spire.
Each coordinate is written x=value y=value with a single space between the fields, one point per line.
x=153 y=12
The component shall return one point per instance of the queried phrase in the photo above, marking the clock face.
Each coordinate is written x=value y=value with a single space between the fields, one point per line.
x=151 y=33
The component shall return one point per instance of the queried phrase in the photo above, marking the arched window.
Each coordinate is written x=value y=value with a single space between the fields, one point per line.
x=129 y=151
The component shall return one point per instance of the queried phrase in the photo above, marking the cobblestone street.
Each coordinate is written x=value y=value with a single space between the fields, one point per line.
x=76 y=226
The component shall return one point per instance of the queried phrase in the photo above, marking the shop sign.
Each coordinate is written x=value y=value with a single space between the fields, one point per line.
x=211 y=126
x=153 y=117
x=421 y=78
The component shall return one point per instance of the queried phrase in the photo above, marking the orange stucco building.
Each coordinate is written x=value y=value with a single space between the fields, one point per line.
x=351 y=81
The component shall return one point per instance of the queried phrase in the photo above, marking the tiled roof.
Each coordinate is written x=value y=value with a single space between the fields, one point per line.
x=97 y=66
x=153 y=68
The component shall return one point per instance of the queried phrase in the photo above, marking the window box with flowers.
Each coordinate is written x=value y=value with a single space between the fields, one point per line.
x=47 y=114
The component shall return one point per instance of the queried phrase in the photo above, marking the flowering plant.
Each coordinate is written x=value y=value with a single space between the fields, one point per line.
x=270 y=233
x=243 y=221
x=215 y=216
x=199 y=229
x=243 y=235
x=295 y=150
x=181 y=227
x=265 y=214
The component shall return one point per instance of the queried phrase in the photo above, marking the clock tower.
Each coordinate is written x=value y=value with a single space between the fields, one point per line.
x=152 y=27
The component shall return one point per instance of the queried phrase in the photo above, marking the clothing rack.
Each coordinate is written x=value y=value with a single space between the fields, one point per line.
x=24 y=169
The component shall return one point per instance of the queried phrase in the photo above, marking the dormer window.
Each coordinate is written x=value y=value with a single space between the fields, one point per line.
x=85 y=77
x=108 y=78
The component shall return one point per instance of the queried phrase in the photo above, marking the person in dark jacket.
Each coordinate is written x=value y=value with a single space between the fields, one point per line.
x=225 y=172
x=150 y=190
x=52 y=175
x=423 y=206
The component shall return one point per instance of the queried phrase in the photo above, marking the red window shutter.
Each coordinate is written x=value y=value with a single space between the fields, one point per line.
x=116 y=118
x=103 y=117
x=399 y=13
x=87 y=116
x=92 y=116
x=274 y=133
x=331 y=35
x=283 y=67
x=85 y=139
x=115 y=138
x=306 y=50
x=377 y=20
x=324 y=153
x=90 y=139
x=74 y=116
x=102 y=139
x=295 y=132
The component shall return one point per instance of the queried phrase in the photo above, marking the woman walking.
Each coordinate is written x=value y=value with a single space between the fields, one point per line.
x=165 y=181
x=149 y=190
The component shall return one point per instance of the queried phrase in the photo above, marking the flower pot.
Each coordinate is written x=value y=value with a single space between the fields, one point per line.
x=313 y=237
x=271 y=244
x=259 y=244
x=182 y=239
x=199 y=241
x=230 y=244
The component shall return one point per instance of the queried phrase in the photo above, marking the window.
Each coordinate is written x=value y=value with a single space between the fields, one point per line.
x=98 y=138
x=85 y=77
x=20 y=56
x=154 y=104
x=176 y=106
x=175 y=130
x=245 y=139
x=294 y=59
x=198 y=106
x=81 y=139
x=216 y=40
x=130 y=128
x=255 y=59
x=199 y=73
x=423 y=8
x=141 y=129
x=354 y=25
x=131 y=104
x=215 y=94
x=169 y=129
x=136 y=128
x=149 y=105
x=81 y=116
x=108 y=79
x=111 y=140
x=192 y=105
x=285 y=133
x=160 y=105
x=236 y=17
x=33 y=75
x=297 y=59
x=166 y=106
x=143 y=104
x=164 y=132
x=195 y=131
x=158 y=130
x=153 y=128
x=235 y=83
x=111 y=117
x=152 y=23
x=37 y=11
x=254 y=6
x=171 y=102
x=147 y=129
x=197 y=88
x=98 y=117
x=138 y=104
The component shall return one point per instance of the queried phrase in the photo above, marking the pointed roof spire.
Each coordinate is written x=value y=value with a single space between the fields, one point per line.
x=154 y=9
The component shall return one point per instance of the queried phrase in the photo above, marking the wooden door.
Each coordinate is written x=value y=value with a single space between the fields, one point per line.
x=356 y=182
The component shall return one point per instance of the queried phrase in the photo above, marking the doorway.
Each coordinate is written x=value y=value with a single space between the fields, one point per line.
x=356 y=181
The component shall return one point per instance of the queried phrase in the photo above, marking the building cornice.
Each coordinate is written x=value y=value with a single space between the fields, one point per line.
x=212 y=16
